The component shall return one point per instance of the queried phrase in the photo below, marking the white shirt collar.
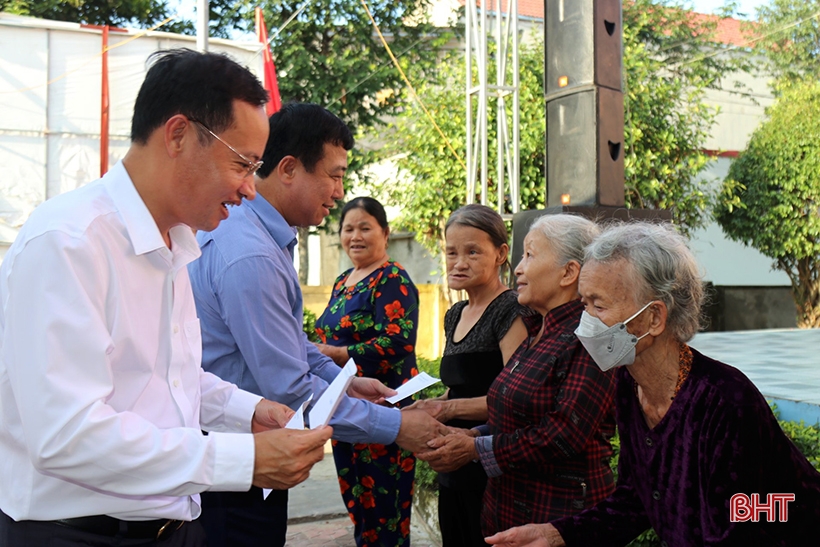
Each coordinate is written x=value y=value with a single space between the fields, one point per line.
x=140 y=224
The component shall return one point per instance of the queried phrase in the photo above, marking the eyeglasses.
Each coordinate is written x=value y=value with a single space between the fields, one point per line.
x=251 y=166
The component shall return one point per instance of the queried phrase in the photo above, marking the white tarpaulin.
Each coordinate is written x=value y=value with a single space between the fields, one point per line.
x=50 y=94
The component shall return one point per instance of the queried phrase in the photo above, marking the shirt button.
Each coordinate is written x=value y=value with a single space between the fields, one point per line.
x=656 y=495
x=176 y=329
x=648 y=441
x=176 y=383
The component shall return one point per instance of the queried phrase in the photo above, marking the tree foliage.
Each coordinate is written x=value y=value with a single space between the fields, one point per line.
x=437 y=185
x=671 y=58
x=330 y=54
x=123 y=13
x=772 y=194
x=669 y=63
x=791 y=39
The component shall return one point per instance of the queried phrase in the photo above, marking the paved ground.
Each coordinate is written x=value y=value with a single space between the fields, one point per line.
x=316 y=515
x=338 y=533
x=784 y=364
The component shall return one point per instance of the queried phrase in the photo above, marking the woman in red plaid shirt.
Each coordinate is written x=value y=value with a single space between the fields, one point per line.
x=545 y=447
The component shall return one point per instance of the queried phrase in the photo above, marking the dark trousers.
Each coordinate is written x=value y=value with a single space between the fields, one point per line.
x=459 y=516
x=35 y=533
x=245 y=519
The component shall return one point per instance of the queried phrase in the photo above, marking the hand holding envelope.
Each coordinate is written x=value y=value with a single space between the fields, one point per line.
x=325 y=406
x=417 y=427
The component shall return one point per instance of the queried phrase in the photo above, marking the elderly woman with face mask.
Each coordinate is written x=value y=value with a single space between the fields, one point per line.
x=550 y=410
x=694 y=431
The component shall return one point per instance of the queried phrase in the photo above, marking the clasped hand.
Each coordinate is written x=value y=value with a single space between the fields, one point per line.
x=450 y=452
x=436 y=408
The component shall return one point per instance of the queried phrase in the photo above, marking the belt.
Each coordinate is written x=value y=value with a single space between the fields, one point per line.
x=104 y=525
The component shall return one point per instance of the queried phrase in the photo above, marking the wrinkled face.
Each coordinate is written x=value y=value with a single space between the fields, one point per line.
x=608 y=293
x=538 y=275
x=472 y=259
x=215 y=177
x=315 y=193
x=363 y=239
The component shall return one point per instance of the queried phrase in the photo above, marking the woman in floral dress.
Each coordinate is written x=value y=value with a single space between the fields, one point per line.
x=372 y=317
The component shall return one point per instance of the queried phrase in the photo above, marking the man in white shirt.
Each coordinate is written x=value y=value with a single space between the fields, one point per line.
x=102 y=396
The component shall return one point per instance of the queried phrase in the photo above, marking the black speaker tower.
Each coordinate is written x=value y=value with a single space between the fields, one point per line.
x=584 y=103
x=585 y=117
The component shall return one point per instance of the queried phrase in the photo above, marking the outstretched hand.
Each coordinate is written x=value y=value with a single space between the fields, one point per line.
x=437 y=408
x=339 y=354
x=369 y=389
x=529 y=535
x=270 y=415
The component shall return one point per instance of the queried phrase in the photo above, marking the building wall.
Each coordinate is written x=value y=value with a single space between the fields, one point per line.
x=422 y=269
x=50 y=94
x=432 y=307
x=750 y=308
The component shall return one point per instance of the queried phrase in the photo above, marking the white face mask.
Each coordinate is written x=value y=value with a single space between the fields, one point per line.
x=609 y=347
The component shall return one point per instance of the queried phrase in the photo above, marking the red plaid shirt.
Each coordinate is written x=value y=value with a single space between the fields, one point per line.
x=551 y=413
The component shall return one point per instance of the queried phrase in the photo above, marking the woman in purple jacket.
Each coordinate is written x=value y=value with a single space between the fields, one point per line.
x=694 y=431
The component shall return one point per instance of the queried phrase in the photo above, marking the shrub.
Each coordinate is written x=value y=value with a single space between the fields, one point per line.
x=426 y=478
x=309 y=325
x=431 y=367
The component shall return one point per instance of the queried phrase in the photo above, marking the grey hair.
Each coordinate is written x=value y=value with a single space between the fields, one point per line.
x=568 y=235
x=665 y=268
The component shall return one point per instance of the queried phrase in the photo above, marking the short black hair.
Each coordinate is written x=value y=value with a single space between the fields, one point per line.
x=301 y=130
x=370 y=206
x=201 y=86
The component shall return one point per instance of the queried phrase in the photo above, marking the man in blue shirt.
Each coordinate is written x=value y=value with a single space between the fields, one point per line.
x=249 y=301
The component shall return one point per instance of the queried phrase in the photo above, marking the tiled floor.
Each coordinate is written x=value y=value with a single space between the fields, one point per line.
x=330 y=533
x=337 y=533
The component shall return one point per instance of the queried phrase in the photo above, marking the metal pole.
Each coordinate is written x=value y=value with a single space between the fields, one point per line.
x=482 y=100
x=202 y=14
x=104 y=105
x=479 y=89
x=468 y=36
x=515 y=171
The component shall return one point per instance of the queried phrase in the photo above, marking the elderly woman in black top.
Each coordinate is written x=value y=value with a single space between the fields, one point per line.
x=550 y=411
x=482 y=332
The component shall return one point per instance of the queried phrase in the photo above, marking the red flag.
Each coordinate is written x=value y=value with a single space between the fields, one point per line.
x=271 y=84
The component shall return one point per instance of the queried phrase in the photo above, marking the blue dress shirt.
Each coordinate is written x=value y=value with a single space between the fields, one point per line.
x=249 y=304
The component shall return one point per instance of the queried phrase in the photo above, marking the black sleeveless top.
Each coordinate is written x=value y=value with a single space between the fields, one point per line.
x=469 y=367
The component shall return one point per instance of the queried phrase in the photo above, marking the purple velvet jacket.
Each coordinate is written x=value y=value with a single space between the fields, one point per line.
x=718 y=438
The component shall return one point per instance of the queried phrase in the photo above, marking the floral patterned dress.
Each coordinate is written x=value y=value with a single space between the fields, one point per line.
x=376 y=319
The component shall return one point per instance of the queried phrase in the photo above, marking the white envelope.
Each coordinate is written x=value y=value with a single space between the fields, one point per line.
x=297 y=421
x=414 y=385
x=324 y=408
